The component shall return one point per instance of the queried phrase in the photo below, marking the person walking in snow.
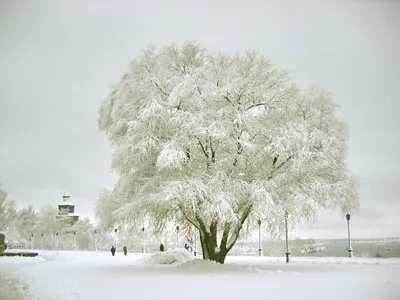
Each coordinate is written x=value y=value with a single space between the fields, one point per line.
x=125 y=250
x=113 y=250
x=161 y=247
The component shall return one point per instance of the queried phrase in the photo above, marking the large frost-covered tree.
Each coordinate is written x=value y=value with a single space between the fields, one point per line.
x=217 y=140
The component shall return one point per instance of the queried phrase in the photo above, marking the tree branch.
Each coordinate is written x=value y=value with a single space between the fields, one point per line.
x=226 y=98
x=275 y=160
x=255 y=105
x=283 y=163
x=202 y=227
x=162 y=91
x=279 y=166
x=212 y=150
x=239 y=145
x=225 y=234
x=189 y=219
x=188 y=153
x=236 y=231
x=204 y=150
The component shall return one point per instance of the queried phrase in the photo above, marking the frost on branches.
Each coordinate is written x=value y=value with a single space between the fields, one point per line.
x=7 y=210
x=217 y=140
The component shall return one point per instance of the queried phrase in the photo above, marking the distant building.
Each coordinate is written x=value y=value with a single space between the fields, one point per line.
x=66 y=210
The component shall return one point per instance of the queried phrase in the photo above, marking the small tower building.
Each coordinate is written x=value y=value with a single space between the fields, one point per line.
x=66 y=210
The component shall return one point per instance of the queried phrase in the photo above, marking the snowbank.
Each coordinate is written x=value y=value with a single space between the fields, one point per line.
x=202 y=266
x=314 y=260
x=169 y=257
x=67 y=275
x=12 y=288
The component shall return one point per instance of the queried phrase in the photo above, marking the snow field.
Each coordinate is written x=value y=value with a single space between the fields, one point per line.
x=176 y=274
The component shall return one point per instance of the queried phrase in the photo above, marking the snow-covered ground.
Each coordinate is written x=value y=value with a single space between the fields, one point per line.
x=173 y=276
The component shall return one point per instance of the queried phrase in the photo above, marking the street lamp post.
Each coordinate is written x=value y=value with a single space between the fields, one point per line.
x=287 y=238
x=74 y=242
x=195 y=242
x=42 y=241
x=32 y=241
x=95 y=240
x=143 y=241
x=350 y=249
x=259 y=238
x=177 y=236
x=115 y=238
x=57 y=241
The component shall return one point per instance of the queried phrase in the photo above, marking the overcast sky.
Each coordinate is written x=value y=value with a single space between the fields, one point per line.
x=58 y=60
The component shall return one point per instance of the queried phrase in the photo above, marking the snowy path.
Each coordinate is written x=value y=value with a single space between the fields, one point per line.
x=89 y=275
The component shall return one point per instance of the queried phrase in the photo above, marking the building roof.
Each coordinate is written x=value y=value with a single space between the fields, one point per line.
x=72 y=215
x=66 y=203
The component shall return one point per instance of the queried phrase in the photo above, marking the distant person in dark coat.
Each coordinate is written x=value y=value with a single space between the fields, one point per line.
x=162 y=248
x=125 y=250
x=113 y=250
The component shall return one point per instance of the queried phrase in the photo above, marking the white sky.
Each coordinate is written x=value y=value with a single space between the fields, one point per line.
x=58 y=60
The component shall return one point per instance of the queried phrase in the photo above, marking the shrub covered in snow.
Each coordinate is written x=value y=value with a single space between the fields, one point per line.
x=169 y=257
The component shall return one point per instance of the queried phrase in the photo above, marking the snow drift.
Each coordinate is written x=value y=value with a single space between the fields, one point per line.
x=169 y=257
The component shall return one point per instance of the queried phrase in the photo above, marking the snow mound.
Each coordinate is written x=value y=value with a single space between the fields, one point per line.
x=169 y=257
x=201 y=264
x=206 y=266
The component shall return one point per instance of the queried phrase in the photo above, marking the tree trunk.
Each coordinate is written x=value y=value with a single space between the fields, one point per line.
x=220 y=256
x=210 y=249
x=209 y=245
x=208 y=237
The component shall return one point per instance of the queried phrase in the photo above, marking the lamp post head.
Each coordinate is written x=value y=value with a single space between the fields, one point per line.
x=142 y=229
x=348 y=217
x=259 y=222
x=115 y=230
x=177 y=228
